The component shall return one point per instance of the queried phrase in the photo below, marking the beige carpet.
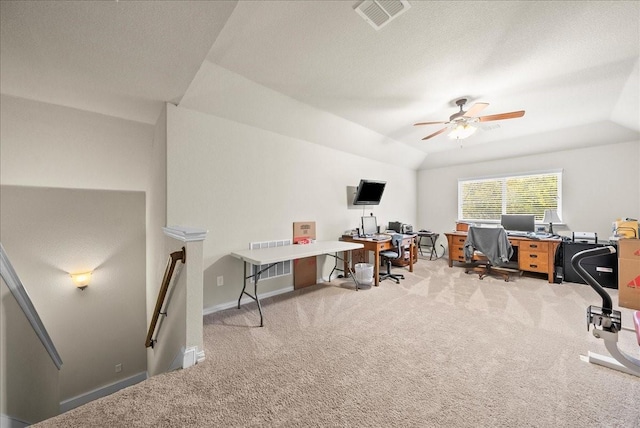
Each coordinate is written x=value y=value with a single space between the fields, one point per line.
x=440 y=349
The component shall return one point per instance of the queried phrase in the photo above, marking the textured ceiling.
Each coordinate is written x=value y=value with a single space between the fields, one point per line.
x=573 y=66
x=123 y=59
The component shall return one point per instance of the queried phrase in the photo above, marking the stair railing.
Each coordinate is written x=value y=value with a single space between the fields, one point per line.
x=164 y=287
x=24 y=301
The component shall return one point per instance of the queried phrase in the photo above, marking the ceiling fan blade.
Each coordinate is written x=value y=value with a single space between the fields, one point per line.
x=475 y=109
x=435 y=133
x=427 y=123
x=501 y=116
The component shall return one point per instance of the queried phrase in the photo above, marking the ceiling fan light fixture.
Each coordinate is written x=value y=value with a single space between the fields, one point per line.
x=460 y=124
x=462 y=131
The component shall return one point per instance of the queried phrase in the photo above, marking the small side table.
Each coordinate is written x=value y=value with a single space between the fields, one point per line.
x=431 y=238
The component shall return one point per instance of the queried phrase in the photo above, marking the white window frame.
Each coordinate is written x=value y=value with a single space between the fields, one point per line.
x=504 y=178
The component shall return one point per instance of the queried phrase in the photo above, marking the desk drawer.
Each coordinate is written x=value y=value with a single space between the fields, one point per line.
x=533 y=261
x=533 y=247
x=456 y=251
x=459 y=240
x=457 y=254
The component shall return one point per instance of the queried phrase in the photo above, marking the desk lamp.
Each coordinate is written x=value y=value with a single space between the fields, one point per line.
x=551 y=216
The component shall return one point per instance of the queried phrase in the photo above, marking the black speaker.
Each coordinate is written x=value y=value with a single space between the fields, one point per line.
x=603 y=269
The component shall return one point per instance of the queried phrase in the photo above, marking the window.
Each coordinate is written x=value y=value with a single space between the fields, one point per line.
x=487 y=198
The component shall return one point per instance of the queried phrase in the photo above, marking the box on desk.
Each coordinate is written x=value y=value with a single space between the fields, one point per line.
x=462 y=226
x=304 y=270
x=629 y=273
x=625 y=228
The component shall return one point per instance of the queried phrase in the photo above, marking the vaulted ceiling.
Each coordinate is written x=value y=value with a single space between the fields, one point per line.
x=573 y=66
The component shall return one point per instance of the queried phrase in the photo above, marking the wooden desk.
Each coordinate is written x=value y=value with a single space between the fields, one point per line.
x=534 y=255
x=376 y=247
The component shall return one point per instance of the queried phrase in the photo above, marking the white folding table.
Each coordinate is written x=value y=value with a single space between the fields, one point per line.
x=273 y=255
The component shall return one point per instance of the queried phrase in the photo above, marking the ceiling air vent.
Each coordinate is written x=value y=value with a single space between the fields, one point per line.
x=379 y=13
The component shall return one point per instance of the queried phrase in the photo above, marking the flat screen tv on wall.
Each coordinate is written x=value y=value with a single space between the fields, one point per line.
x=369 y=192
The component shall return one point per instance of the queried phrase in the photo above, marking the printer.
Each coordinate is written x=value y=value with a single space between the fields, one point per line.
x=585 y=237
x=399 y=227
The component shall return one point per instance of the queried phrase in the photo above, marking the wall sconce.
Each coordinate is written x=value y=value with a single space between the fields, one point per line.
x=81 y=280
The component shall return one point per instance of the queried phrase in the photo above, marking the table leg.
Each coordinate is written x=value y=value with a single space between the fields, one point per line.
x=433 y=247
x=255 y=293
x=256 y=277
x=411 y=249
x=376 y=266
x=244 y=286
x=345 y=262
x=351 y=272
x=335 y=264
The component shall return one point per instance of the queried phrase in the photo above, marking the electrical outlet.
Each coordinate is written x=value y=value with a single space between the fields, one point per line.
x=118 y=368
x=220 y=281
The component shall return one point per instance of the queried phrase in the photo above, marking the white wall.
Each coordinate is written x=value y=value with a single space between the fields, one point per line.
x=48 y=145
x=220 y=92
x=49 y=233
x=45 y=145
x=600 y=184
x=29 y=380
x=245 y=184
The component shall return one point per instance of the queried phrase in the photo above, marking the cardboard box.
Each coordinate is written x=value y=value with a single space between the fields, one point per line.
x=304 y=230
x=462 y=226
x=304 y=270
x=629 y=273
x=625 y=228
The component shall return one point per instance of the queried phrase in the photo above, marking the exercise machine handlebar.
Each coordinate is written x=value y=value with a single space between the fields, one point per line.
x=607 y=305
x=606 y=322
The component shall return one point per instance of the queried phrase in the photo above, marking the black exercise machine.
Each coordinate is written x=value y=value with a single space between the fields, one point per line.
x=606 y=321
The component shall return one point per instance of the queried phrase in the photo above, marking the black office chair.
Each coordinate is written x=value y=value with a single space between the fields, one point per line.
x=394 y=254
x=487 y=250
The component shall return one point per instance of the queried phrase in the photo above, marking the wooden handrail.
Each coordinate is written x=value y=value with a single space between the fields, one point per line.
x=166 y=280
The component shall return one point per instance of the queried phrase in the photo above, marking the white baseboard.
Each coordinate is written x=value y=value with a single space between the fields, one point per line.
x=9 y=422
x=244 y=300
x=186 y=357
x=79 y=400
x=190 y=358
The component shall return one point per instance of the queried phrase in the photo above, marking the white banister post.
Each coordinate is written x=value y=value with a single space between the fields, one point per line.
x=192 y=239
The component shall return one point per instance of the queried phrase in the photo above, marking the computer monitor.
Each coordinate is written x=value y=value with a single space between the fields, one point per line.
x=518 y=222
x=369 y=225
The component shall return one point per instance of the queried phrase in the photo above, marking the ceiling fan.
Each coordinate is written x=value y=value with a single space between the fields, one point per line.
x=461 y=123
